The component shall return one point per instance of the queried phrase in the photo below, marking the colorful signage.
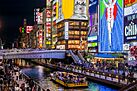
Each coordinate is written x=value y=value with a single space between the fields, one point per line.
x=92 y=39
x=48 y=26
x=111 y=26
x=80 y=9
x=130 y=7
x=133 y=53
x=40 y=38
x=130 y=28
x=93 y=4
x=71 y=9
x=60 y=13
x=29 y=29
x=48 y=3
x=38 y=16
x=92 y=44
x=66 y=30
x=93 y=26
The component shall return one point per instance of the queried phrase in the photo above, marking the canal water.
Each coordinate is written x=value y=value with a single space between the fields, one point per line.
x=41 y=74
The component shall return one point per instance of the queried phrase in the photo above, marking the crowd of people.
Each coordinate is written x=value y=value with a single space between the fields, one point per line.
x=104 y=67
x=11 y=78
x=69 y=77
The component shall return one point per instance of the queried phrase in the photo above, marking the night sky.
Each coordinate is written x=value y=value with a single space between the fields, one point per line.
x=12 y=13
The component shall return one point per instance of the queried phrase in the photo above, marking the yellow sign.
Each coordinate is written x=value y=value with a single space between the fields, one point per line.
x=67 y=7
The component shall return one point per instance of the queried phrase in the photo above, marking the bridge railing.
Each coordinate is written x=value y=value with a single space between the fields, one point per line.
x=73 y=56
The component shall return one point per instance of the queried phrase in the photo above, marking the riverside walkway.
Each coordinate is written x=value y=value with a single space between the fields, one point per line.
x=109 y=78
x=12 y=79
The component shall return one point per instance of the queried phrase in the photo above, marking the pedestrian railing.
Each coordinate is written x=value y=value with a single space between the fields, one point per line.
x=102 y=75
x=110 y=76
x=130 y=87
x=37 y=86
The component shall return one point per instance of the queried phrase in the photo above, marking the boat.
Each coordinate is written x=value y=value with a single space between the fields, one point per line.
x=69 y=80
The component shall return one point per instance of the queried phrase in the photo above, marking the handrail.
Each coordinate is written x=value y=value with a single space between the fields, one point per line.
x=115 y=78
x=130 y=87
x=80 y=56
x=37 y=85
x=73 y=56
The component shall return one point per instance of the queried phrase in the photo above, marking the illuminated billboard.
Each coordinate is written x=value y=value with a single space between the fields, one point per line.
x=80 y=9
x=93 y=28
x=38 y=16
x=29 y=29
x=130 y=7
x=111 y=26
x=93 y=6
x=130 y=28
x=71 y=9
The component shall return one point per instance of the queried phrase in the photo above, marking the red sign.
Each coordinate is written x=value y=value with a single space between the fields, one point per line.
x=29 y=29
x=48 y=13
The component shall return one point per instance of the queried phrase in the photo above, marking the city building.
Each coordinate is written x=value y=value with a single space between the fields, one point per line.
x=38 y=20
x=130 y=31
x=72 y=24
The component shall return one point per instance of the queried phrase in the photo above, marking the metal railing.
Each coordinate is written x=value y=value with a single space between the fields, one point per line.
x=37 y=86
x=130 y=87
x=81 y=57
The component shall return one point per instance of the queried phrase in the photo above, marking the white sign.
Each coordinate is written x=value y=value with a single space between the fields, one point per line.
x=66 y=30
x=131 y=9
x=125 y=47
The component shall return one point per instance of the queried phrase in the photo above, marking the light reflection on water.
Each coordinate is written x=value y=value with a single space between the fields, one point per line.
x=40 y=74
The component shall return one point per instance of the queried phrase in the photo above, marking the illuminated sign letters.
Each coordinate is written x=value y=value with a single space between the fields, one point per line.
x=130 y=28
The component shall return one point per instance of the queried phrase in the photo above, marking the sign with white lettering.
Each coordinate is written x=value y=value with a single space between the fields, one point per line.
x=66 y=30
x=130 y=28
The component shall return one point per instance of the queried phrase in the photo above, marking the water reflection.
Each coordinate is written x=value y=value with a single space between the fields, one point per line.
x=41 y=74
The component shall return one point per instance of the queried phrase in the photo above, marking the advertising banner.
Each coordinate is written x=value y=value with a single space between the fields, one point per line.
x=66 y=30
x=60 y=13
x=93 y=6
x=130 y=7
x=80 y=9
x=130 y=28
x=93 y=26
x=111 y=26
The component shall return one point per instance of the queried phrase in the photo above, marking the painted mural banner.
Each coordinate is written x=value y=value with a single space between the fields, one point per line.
x=130 y=28
x=111 y=26
x=130 y=7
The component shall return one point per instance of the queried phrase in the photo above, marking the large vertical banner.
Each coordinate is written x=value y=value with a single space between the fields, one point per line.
x=130 y=21
x=60 y=13
x=111 y=26
x=93 y=26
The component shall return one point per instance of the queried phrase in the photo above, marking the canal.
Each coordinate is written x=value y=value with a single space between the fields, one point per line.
x=41 y=75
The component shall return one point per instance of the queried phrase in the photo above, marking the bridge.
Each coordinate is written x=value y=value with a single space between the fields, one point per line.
x=32 y=54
